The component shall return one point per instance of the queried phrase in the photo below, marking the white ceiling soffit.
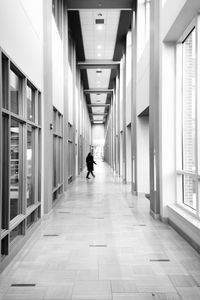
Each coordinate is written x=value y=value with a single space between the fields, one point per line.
x=98 y=118
x=98 y=99
x=99 y=44
x=99 y=39
x=98 y=80
x=98 y=110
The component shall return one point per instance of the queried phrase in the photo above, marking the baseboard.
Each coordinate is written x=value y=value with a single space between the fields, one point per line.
x=186 y=237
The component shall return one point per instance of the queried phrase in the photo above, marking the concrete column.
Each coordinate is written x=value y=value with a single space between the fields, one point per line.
x=124 y=117
x=47 y=105
x=133 y=108
x=65 y=116
x=154 y=115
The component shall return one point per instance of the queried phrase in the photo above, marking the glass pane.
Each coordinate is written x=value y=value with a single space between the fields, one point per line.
x=54 y=120
x=30 y=219
x=15 y=232
x=189 y=105
x=54 y=162
x=15 y=92
x=39 y=165
x=5 y=177
x=30 y=95
x=189 y=191
x=15 y=137
x=5 y=82
x=39 y=109
x=30 y=166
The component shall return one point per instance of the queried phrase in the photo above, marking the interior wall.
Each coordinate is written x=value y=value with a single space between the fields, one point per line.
x=142 y=100
x=21 y=36
x=143 y=154
x=57 y=68
x=128 y=154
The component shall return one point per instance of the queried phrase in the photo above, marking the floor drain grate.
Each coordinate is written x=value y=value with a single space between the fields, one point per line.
x=64 y=212
x=159 y=260
x=98 y=246
x=23 y=284
x=51 y=235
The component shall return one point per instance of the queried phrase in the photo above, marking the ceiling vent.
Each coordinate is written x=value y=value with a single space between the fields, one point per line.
x=99 y=21
x=99 y=71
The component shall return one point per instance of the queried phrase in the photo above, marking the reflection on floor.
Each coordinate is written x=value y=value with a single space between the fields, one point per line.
x=101 y=243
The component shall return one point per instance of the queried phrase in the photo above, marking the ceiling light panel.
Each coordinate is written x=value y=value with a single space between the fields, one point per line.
x=105 y=36
x=96 y=80
x=98 y=110
x=98 y=99
x=98 y=118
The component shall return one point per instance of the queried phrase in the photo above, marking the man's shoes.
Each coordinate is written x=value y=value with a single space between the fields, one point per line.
x=87 y=177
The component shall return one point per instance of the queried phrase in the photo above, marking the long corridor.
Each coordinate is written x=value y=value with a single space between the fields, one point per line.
x=100 y=242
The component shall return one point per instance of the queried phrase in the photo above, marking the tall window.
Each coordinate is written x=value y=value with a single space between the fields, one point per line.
x=20 y=159
x=57 y=154
x=70 y=152
x=188 y=119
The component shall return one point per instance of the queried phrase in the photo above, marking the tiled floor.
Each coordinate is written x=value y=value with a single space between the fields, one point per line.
x=105 y=246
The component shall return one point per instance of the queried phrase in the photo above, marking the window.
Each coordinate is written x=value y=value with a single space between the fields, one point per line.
x=15 y=168
x=70 y=152
x=57 y=154
x=21 y=153
x=15 y=93
x=30 y=163
x=30 y=96
x=187 y=121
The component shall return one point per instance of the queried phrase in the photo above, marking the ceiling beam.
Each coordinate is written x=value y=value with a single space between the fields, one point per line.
x=98 y=114
x=98 y=105
x=98 y=91
x=98 y=64
x=100 y=4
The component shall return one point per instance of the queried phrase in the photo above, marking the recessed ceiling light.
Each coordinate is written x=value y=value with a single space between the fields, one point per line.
x=99 y=54
x=99 y=47
x=99 y=27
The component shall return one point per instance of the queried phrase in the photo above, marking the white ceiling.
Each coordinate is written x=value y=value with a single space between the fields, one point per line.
x=98 y=80
x=98 y=110
x=99 y=44
x=98 y=99
x=99 y=40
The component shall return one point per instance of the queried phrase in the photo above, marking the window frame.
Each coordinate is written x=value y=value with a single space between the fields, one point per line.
x=179 y=119
x=5 y=113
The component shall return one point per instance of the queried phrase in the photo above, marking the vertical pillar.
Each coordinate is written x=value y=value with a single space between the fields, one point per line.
x=65 y=116
x=47 y=107
x=133 y=107
x=154 y=115
x=124 y=116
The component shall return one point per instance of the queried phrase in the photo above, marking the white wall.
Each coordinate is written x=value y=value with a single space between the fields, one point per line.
x=128 y=78
x=142 y=100
x=143 y=66
x=57 y=68
x=143 y=154
x=98 y=134
x=21 y=36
